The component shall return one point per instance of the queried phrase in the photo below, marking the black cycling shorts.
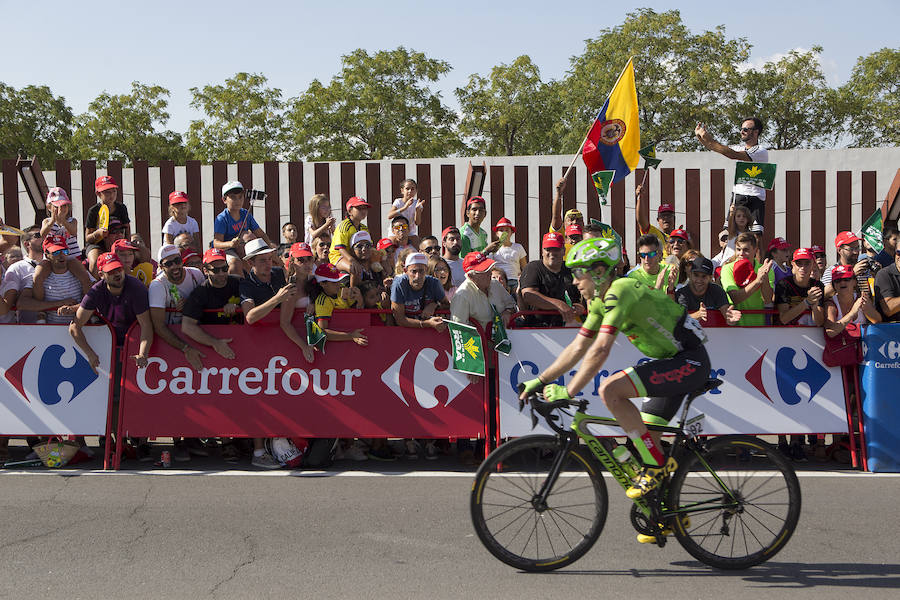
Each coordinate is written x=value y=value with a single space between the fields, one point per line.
x=666 y=381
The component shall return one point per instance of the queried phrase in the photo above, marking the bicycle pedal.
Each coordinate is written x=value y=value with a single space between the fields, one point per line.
x=646 y=539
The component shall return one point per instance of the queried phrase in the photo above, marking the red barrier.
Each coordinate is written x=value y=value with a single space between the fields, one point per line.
x=401 y=385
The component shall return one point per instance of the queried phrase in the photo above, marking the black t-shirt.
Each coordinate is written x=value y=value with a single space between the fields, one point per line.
x=714 y=298
x=554 y=285
x=120 y=212
x=260 y=292
x=887 y=285
x=788 y=291
x=205 y=296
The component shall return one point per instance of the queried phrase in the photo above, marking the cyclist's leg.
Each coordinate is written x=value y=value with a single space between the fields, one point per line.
x=659 y=410
x=616 y=392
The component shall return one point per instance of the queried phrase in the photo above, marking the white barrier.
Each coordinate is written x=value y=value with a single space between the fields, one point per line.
x=47 y=386
x=774 y=381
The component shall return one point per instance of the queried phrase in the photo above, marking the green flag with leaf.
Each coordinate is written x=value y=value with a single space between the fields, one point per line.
x=315 y=337
x=606 y=231
x=498 y=334
x=872 y=231
x=468 y=355
x=602 y=179
x=649 y=155
x=758 y=174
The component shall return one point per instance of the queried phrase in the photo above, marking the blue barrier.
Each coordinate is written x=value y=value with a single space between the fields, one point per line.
x=880 y=379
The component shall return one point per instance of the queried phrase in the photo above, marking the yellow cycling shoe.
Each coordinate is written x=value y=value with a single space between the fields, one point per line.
x=649 y=539
x=649 y=479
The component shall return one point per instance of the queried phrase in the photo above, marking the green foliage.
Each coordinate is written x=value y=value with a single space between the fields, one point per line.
x=681 y=77
x=872 y=99
x=128 y=127
x=511 y=112
x=244 y=121
x=379 y=106
x=34 y=122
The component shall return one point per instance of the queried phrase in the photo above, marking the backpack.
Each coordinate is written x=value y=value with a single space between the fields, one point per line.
x=320 y=453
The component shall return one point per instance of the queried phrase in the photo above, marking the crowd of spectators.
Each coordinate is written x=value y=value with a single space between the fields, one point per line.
x=416 y=280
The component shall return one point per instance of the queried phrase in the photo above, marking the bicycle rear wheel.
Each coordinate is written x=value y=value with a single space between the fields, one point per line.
x=515 y=526
x=744 y=530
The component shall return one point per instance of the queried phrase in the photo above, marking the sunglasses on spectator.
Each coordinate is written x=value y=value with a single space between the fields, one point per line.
x=746 y=129
x=215 y=270
x=63 y=252
x=431 y=249
x=400 y=226
x=170 y=263
x=650 y=254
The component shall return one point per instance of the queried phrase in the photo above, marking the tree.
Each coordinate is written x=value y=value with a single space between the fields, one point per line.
x=244 y=120
x=128 y=127
x=681 y=77
x=379 y=106
x=512 y=111
x=793 y=100
x=872 y=99
x=34 y=122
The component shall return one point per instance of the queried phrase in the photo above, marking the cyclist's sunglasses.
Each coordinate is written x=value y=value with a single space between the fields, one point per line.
x=650 y=254
x=580 y=273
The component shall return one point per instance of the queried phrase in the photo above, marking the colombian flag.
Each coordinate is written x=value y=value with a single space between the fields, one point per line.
x=614 y=140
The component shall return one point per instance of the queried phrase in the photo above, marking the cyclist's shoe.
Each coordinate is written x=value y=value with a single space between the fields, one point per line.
x=667 y=531
x=649 y=479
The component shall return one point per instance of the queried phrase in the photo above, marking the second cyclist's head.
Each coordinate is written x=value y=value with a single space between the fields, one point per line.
x=593 y=262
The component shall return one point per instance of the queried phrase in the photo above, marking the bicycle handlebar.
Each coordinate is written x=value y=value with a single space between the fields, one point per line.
x=537 y=404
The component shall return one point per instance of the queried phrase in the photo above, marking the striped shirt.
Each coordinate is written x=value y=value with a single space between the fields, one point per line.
x=71 y=240
x=58 y=286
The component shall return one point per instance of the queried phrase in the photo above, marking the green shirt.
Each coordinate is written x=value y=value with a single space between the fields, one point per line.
x=472 y=239
x=753 y=302
x=646 y=278
x=655 y=324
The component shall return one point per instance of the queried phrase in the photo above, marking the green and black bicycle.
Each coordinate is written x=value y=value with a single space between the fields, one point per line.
x=539 y=502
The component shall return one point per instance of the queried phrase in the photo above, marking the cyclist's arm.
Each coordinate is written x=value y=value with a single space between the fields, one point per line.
x=568 y=359
x=599 y=351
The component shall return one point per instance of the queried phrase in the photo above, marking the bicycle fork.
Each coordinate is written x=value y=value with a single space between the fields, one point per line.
x=539 y=500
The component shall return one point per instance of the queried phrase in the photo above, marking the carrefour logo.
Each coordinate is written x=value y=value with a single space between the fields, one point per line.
x=788 y=376
x=422 y=382
x=60 y=374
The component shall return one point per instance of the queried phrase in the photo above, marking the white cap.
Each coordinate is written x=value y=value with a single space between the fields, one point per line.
x=166 y=251
x=360 y=236
x=416 y=258
x=231 y=185
x=756 y=228
x=257 y=247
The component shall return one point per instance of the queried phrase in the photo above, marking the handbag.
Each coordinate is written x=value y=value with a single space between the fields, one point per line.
x=844 y=349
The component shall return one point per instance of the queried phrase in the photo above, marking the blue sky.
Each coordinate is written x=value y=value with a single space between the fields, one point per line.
x=80 y=49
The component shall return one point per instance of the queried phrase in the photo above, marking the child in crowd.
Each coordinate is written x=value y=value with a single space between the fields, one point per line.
x=61 y=223
x=319 y=220
x=779 y=252
x=289 y=235
x=438 y=268
x=94 y=236
x=400 y=233
x=298 y=271
x=180 y=221
x=333 y=295
x=410 y=207
x=472 y=236
x=510 y=256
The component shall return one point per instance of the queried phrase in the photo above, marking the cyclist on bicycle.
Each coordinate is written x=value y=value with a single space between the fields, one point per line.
x=657 y=326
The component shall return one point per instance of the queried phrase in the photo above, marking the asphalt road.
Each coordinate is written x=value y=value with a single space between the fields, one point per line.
x=398 y=535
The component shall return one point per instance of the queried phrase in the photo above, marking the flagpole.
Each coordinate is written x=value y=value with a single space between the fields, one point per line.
x=581 y=147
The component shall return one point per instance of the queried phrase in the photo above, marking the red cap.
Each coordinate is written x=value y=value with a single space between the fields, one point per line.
x=213 y=254
x=187 y=253
x=448 y=230
x=477 y=262
x=122 y=244
x=177 y=197
x=804 y=254
x=503 y=222
x=845 y=237
x=574 y=229
x=109 y=262
x=817 y=249
x=328 y=272
x=665 y=208
x=300 y=249
x=356 y=201
x=105 y=182
x=681 y=234
x=385 y=243
x=842 y=272
x=553 y=240
x=475 y=199
x=778 y=243
x=52 y=243
x=744 y=274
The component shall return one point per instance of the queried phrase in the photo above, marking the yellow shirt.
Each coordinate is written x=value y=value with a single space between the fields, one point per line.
x=325 y=305
x=341 y=239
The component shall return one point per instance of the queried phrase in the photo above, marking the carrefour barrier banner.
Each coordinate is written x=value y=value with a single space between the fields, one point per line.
x=401 y=385
x=774 y=381
x=47 y=386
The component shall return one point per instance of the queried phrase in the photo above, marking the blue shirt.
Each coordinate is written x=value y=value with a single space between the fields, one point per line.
x=229 y=228
x=415 y=300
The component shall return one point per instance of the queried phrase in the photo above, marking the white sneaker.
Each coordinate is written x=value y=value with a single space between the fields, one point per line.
x=265 y=462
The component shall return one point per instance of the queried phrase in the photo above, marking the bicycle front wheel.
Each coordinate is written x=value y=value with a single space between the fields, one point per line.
x=512 y=521
x=742 y=509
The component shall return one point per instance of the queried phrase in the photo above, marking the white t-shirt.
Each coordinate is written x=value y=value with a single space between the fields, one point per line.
x=409 y=213
x=14 y=279
x=174 y=228
x=160 y=291
x=58 y=286
x=457 y=275
x=757 y=154
x=508 y=258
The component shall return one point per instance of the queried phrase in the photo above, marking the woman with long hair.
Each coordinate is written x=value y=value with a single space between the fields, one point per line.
x=439 y=269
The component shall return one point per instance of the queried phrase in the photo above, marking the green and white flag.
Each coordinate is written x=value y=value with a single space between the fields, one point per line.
x=758 y=174
x=315 y=337
x=606 y=231
x=602 y=179
x=649 y=155
x=468 y=356
x=498 y=334
x=871 y=231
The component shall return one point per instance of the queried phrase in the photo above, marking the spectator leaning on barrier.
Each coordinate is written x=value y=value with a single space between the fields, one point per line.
x=232 y=222
x=180 y=221
x=479 y=294
x=299 y=272
x=665 y=220
x=213 y=302
x=59 y=292
x=415 y=296
x=743 y=194
x=650 y=270
x=107 y=191
x=265 y=287
x=747 y=282
x=340 y=255
x=799 y=294
x=701 y=294
x=890 y=237
x=887 y=290
x=14 y=278
x=451 y=242
x=334 y=296
x=547 y=284
x=848 y=305
x=472 y=236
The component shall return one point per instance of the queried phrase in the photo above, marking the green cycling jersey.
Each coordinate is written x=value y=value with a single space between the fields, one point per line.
x=655 y=324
